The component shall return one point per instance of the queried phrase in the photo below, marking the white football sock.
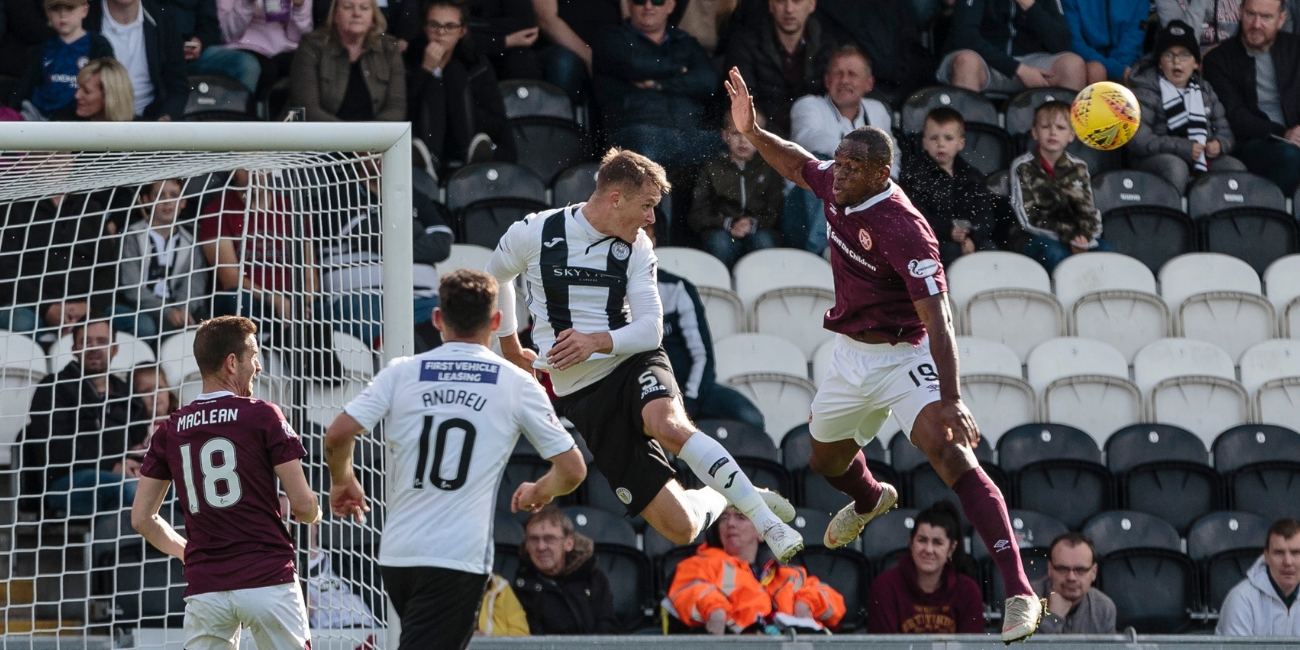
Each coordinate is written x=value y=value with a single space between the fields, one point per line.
x=708 y=505
x=714 y=465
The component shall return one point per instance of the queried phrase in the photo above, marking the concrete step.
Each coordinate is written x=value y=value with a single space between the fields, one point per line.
x=27 y=625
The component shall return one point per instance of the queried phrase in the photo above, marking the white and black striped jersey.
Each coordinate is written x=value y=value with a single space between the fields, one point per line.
x=577 y=277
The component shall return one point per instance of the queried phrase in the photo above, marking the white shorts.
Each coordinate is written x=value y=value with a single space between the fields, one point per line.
x=275 y=615
x=865 y=382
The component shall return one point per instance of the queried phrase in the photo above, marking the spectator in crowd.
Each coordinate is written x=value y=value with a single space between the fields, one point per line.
x=559 y=584
x=722 y=586
x=1257 y=76
x=1264 y=604
x=205 y=53
x=572 y=26
x=147 y=42
x=54 y=264
x=689 y=345
x=1073 y=606
x=504 y=31
x=818 y=124
x=163 y=286
x=925 y=593
x=1005 y=47
x=104 y=93
x=350 y=70
x=1107 y=35
x=1051 y=192
x=74 y=450
x=948 y=190
x=784 y=59
x=889 y=36
x=453 y=101
x=501 y=613
x=156 y=398
x=653 y=81
x=270 y=36
x=23 y=26
x=737 y=200
x=1184 y=127
x=48 y=85
x=1215 y=21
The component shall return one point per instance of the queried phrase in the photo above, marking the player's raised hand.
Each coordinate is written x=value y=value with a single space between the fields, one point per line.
x=959 y=423
x=348 y=499
x=528 y=497
x=742 y=105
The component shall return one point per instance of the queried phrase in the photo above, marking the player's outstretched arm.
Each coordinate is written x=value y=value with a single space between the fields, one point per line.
x=347 y=497
x=149 y=497
x=937 y=316
x=786 y=157
x=302 y=501
x=567 y=472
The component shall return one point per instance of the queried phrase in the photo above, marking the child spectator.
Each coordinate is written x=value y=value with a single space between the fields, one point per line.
x=1051 y=192
x=948 y=190
x=1184 y=127
x=737 y=203
x=50 y=81
x=162 y=276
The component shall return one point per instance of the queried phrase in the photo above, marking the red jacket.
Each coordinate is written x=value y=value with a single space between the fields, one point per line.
x=898 y=606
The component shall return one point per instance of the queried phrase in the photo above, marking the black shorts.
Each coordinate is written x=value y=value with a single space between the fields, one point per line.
x=438 y=607
x=608 y=415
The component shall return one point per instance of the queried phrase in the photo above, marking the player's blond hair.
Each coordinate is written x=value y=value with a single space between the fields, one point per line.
x=629 y=169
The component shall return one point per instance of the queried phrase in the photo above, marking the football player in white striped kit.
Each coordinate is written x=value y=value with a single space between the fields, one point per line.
x=589 y=273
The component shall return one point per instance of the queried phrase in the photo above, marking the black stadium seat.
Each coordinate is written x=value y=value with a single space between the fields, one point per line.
x=1119 y=530
x=533 y=98
x=493 y=181
x=1164 y=470
x=1020 y=109
x=988 y=148
x=1225 y=544
x=519 y=470
x=1260 y=464
x=601 y=526
x=506 y=529
x=1150 y=233
x=596 y=492
x=811 y=524
x=549 y=145
x=811 y=489
x=1242 y=215
x=483 y=223
x=972 y=105
x=1217 y=191
x=632 y=582
x=1034 y=535
x=887 y=535
x=1154 y=589
x=575 y=184
x=215 y=98
x=1055 y=468
x=847 y=572
x=1127 y=188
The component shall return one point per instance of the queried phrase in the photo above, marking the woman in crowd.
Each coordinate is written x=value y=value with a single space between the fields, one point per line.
x=350 y=70
x=161 y=277
x=104 y=92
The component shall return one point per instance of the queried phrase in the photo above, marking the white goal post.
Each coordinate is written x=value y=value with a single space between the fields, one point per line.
x=82 y=579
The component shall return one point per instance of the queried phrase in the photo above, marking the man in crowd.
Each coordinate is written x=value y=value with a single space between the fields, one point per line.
x=205 y=54
x=888 y=34
x=559 y=584
x=1005 y=47
x=75 y=449
x=1073 y=606
x=1264 y=604
x=786 y=58
x=148 y=43
x=1257 y=76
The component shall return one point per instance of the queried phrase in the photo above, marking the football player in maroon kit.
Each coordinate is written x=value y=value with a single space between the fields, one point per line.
x=895 y=350
x=224 y=451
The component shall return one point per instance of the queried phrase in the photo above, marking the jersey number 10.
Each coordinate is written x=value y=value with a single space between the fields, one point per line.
x=439 y=447
x=212 y=473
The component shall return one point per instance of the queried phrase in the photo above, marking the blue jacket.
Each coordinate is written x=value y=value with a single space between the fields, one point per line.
x=1108 y=31
x=623 y=56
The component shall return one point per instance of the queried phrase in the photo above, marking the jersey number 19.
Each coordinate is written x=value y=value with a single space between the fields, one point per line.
x=439 y=448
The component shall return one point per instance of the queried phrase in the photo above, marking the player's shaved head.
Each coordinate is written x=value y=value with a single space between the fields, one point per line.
x=879 y=146
x=467 y=300
x=627 y=170
x=220 y=337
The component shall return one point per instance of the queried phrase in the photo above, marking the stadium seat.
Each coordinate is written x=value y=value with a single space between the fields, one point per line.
x=887 y=535
x=1164 y=471
x=972 y=105
x=632 y=582
x=22 y=366
x=533 y=98
x=482 y=223
x=1282 y=286
x=494 y=180
x=1098 y=161
x=750 y=353
x=548 y=145
x=999 y=183
x=988 y=148
x=601 y=526
x=1120 y=530
x=786 y=293
x=519 y=470
x=1055 y=468
x=1243 y=215
x=812 y=524
x=1191 y=384
x=575 y=184
x=1151 y=233
x=1079 y=275
x=465 y=256
x=131 y=352
x=1154 y=589
x=507 y=530
x=357 y=358
x=1005 y=297
x=1085 y=384
x=1225 y=544
x=176 y=357
x=596 y=492
x=1261 y=467
x=753 y=449
x=1020 y=108
x=1219 y=191
x=723 y=309
x=999 y=403
x=217 y=98
x=811 y=489
x=324 y=403
x=1217 y=298
x=1127 y=320
x=772 y=373
x=984 y=357
x=1130 y=187
x=1270 y=373
x=847 y=572
x=1033 y=530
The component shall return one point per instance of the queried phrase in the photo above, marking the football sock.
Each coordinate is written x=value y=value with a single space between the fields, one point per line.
x=717 y=469
x=987 y=512
x=708 y=504
x=858 y=483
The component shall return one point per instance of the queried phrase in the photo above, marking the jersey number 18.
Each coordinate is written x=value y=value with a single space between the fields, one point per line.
x=439 y=448
x=212 y=472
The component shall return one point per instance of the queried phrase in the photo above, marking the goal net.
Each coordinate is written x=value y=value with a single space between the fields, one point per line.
x=116 y=241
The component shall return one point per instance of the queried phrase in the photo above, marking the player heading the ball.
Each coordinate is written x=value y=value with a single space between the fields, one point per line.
x=224 y=451
x=454 y=416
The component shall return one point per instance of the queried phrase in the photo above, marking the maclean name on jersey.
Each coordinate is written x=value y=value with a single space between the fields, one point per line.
x=212 y=416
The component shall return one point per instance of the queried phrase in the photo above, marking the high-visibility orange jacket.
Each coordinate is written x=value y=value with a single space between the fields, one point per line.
x=713 y=579
x=787 y=585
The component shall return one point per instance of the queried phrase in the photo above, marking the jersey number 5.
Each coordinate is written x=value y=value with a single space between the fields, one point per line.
x=439 y=447
x=212 y=473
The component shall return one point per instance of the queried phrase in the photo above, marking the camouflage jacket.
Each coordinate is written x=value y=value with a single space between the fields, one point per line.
x=1058 y=206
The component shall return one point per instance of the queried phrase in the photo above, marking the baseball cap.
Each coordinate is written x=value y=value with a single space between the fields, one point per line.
x=50 y=4
x=1175 y=33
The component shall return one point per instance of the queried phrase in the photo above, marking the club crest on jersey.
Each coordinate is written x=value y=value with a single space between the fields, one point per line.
x=922 y=268
x=624 y=495
x=620 y=250
x=864 y=238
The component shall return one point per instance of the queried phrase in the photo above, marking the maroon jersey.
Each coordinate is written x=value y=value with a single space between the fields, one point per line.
x=221 y=451
x=884 y=256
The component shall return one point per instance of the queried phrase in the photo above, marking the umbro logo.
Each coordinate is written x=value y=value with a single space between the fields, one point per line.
x=553 y=242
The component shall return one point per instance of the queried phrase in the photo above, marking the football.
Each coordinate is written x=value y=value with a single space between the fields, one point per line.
x=1105 y=115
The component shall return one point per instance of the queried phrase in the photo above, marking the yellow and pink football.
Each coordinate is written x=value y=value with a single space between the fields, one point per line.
x=1105 y=115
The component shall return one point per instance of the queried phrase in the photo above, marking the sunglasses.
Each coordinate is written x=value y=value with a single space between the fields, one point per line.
x=657 y=3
